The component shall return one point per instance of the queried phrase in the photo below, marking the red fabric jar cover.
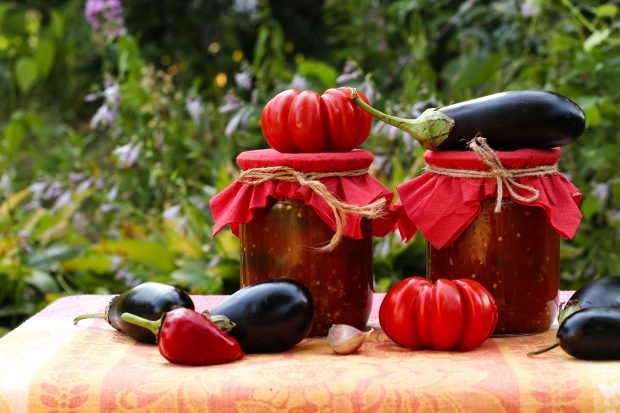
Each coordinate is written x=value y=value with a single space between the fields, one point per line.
x=442 y=207
x=236 y=204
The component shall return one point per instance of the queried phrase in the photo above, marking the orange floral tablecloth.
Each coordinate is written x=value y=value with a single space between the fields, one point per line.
x=49 y=365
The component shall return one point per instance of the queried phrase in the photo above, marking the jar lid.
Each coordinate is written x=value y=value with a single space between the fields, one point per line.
x=306 y=162
x=519 y=159
x=445 y=200
x=237 y=203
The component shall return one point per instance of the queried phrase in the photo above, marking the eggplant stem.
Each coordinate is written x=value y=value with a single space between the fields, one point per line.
x=543 y=350
x=151 y=325
x=430 y=129
x=221 y=321
x=79 y=318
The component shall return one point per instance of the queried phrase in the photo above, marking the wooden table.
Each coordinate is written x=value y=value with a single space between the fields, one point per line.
x=49 y=365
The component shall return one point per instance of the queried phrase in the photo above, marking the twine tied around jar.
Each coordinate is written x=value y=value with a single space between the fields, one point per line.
x=503 y=176
x=376 y=209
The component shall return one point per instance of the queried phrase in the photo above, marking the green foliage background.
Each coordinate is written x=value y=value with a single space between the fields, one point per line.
x=78 y=216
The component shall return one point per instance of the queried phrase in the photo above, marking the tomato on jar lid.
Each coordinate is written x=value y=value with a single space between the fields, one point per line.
x=304 y=121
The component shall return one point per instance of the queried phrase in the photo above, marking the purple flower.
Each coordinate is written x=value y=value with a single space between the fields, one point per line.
x=193 y=106
x=105 y=16
x=245 y=6
x=108 y=112
x=231 y=103
x=103 y=117
x=530 y=8
x=601 y=191
x=243 y=79
x=127 y=155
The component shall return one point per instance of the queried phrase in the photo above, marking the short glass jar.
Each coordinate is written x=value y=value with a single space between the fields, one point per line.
x=282 y=240
x=515 y=255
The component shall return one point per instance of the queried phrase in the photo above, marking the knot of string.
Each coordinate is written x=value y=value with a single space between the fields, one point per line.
x=256 y=176
x=504 y=177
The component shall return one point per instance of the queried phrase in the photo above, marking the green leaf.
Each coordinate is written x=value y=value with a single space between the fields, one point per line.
x=44 y=56
x=93 y=263
x=596 y=39
x=589 y=206
x=227 y=245
x=45 y=258
x=606 y=10
x=43 y=282
x=14 y=134
x=314 y=69
x=129 y=61
x=57 y=25
x=149 y=253
x=26 y=73
x=194 y=275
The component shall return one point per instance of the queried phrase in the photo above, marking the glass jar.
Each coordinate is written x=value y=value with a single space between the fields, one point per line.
x=515 y=255
x=282 y=239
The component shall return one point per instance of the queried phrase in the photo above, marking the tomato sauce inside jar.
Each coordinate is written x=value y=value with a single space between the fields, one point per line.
x=282 y=240
x=515 y=255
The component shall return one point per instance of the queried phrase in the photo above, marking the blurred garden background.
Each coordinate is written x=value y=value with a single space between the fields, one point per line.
x=120 y=119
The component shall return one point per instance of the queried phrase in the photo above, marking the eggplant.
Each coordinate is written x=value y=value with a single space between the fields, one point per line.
x=269 y=317
x=536 y=119
x=601 y=293
x=591 y=334
x=148 y=300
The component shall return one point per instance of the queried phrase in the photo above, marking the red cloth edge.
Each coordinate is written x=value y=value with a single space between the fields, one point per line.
x=442 y=207
x=237 y=203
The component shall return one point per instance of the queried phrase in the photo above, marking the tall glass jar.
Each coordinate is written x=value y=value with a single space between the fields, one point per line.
x=282 y=241
x=309 y=217
x=496 y=217
x=515 y=255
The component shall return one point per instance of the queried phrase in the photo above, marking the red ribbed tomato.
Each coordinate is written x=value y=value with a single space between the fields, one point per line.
x=448 y=315
x=296 y=121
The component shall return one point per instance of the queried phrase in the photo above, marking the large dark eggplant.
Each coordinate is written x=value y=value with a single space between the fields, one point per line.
x=269 y=317
x=591 y=334
x=601 y=293
x=148 y=300
x=511 y=120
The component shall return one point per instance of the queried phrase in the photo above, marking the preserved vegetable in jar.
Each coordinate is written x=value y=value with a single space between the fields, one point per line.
x=496 y=217
x=515 y=255
x=309 y=217
x=282 y=241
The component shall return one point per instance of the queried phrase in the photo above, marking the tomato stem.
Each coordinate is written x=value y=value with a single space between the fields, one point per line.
x=430 y=129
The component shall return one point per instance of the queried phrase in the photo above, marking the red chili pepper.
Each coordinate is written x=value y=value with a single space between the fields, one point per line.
x=296 y=121
x=448 y=315
x=187 y=337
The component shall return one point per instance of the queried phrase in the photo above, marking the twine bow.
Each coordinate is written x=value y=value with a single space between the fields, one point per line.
x=311 y=180
x=503 y=176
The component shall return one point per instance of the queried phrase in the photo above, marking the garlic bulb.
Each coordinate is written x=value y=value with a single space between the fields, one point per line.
x=346 y=339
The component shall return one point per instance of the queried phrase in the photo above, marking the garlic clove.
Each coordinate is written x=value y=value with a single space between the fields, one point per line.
x=346 y=339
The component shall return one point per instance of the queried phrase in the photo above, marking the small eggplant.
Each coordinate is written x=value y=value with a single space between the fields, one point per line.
x=511 y=120
x=590 y=334
x=148 y=300
x=601 y=293
x=270 y=317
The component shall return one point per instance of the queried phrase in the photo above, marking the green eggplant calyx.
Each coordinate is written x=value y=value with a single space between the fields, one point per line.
x=221 y=321
x=543 y=350
x=81 y=317
x=570 y=308
x=152 y=325
x=430 y=129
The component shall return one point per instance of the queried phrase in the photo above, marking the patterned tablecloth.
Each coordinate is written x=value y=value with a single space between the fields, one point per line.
x=49 y=365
